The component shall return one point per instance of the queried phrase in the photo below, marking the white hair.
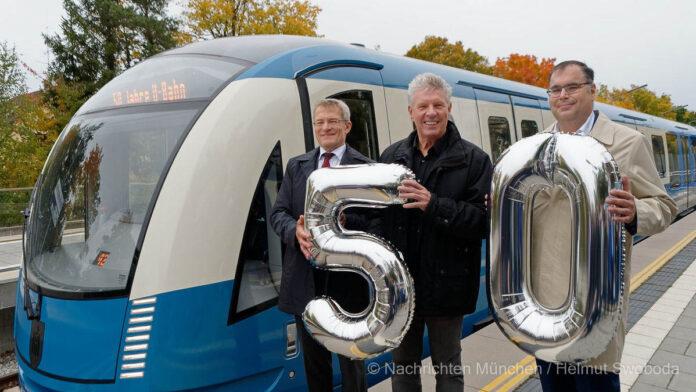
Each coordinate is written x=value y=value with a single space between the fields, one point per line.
x=428 y=81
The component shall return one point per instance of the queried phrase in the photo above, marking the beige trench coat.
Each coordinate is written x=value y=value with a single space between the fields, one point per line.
x=552 y=230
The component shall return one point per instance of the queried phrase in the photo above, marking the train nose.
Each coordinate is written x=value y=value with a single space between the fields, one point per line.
x=70 y=339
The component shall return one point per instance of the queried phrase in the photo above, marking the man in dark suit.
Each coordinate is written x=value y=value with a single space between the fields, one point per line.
x=300 y=281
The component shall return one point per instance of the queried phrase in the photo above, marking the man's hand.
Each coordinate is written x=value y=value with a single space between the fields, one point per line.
x=410 y=189
x=303 y=237
x=622 y=204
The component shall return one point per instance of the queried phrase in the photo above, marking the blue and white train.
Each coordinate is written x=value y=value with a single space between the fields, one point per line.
x=149 y=260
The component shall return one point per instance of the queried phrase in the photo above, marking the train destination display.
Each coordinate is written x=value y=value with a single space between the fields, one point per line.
x=158 y=92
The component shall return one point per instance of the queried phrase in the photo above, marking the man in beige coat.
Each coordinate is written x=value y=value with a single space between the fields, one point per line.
x=642 y=205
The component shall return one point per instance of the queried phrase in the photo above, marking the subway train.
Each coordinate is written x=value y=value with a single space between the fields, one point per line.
x=149 y=260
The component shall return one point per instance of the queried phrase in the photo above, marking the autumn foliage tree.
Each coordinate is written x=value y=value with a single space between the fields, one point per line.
x=206 y=19
x=643 y=100
x=524 y=68
x=440 y=50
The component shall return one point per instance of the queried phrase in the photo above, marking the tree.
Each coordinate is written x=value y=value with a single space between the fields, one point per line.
x=205 y=19
x=648 y=102
x=12 y=80
x=686 y=116
x=524 y=68
x=24 y=124
x=616 y=97
x=644 y=101
x=439 y=50
x=101 y=38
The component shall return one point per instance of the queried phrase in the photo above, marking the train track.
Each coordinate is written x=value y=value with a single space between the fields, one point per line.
x=8 y=381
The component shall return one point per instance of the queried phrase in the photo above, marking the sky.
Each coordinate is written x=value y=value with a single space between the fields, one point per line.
x=625 y=41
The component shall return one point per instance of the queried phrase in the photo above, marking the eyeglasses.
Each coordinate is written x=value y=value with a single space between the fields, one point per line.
x=570 y=89
x=331 y=123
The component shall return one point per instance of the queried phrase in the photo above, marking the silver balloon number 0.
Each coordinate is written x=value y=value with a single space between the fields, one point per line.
x=584 y=325
x=381 y=326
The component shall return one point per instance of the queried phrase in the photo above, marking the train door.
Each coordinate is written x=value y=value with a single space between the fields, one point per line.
x=657 y=142
x=692 y=153
x=496 y=121
x=688 y=163
x=362 y=90
x=528 y=118
x=676 y=171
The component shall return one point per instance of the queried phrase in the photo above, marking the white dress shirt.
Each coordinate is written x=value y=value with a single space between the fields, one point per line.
x=335 y=159
x=585 y=128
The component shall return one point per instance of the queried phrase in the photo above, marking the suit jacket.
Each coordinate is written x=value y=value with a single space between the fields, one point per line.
x=655 y=210
x=301 y=282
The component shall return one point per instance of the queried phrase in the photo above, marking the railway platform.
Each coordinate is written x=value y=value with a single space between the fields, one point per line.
x=660 y=349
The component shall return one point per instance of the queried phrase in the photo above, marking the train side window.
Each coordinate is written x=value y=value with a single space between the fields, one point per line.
x=658 y=147
x=257 y=281
x=693 y=158
x=363 y=134
x=529 y=128
x=673 y=156
x=499 y=132
x=686 y=159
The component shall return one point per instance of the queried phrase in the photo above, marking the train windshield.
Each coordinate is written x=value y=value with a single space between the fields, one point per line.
x=93 y=196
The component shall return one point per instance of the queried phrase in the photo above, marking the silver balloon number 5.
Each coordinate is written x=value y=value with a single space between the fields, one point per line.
x=381 y=326
x=584 y=325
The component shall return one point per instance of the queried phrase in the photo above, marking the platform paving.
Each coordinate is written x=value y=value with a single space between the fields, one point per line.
x=10 y=251
x=672 y=367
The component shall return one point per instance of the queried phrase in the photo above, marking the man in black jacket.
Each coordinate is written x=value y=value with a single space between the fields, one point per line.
x=439 y=232
x=301 y=282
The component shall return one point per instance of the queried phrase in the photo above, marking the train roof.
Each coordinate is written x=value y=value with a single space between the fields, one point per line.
x=251 y=48
x=289 y=57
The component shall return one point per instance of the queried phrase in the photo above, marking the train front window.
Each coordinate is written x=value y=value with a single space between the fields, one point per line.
x=94 y=194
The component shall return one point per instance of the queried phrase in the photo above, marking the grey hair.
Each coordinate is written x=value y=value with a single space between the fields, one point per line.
x=427 y=81
x=334 y=103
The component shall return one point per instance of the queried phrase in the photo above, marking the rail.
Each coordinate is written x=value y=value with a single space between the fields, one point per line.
x=9 y=381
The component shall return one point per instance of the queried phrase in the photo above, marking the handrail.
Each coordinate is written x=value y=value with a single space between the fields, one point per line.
x=10 y=268
x=15 y=189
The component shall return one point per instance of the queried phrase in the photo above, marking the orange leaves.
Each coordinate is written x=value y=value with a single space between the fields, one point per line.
x=524 y=68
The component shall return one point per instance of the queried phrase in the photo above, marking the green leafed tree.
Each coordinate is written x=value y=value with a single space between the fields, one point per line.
x=25 y=138
x=12 y=80
x=439 y=50
x=206 y=19
x=648 y=102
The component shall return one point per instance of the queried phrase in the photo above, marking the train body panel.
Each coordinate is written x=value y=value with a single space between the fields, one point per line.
x=204 y=188
x=175 y=195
